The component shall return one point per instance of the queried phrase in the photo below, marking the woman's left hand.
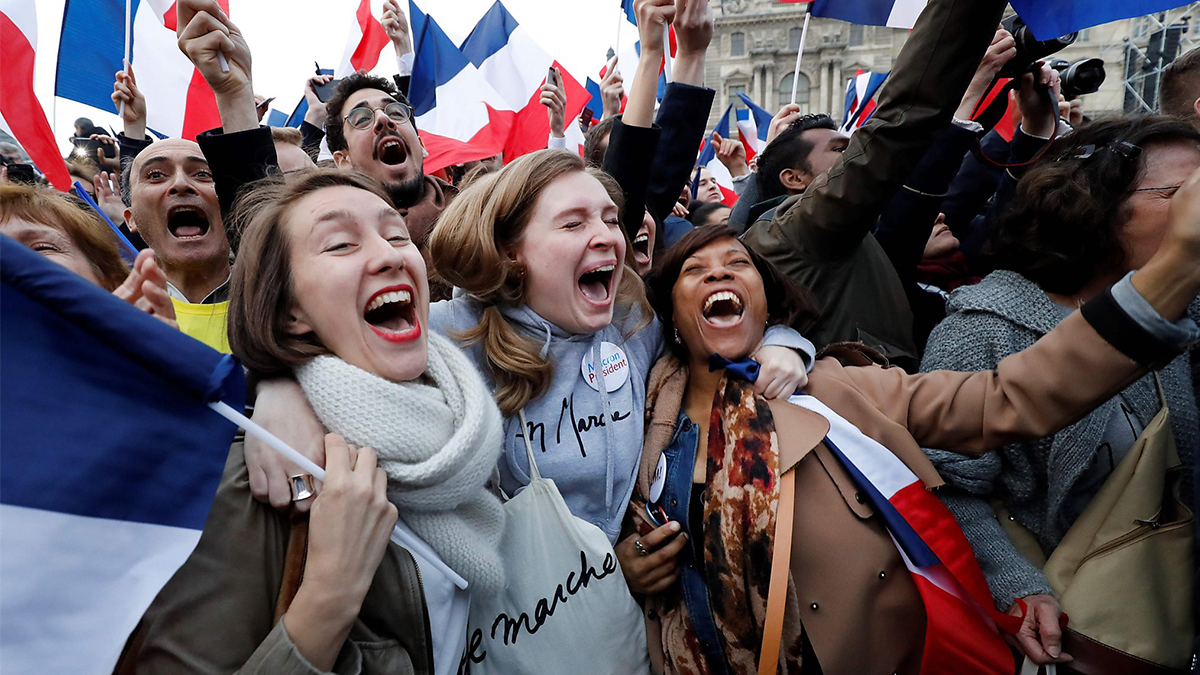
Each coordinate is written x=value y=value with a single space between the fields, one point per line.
x=781 y=372
x=146 y=289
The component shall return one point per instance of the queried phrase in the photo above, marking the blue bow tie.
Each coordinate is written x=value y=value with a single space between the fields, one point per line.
x=746 y=368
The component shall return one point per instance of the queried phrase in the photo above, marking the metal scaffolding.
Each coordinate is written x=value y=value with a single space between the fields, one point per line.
x=1152 y=43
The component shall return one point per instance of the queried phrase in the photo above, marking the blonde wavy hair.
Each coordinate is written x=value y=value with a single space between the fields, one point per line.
x=472 y=248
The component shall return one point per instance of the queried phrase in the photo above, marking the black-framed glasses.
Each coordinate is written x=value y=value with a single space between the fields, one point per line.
x=362 y=116
x=1167 y=190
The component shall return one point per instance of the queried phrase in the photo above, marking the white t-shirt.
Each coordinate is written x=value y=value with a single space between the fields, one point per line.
x=448 y=607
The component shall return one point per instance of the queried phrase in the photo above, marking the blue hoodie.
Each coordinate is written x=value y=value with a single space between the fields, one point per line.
x=586 y=438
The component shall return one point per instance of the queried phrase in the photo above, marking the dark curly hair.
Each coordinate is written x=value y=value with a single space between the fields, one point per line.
x=788 y=303
x=1061 y=228
x=335 y=134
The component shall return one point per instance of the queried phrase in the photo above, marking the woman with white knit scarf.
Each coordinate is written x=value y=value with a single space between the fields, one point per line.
x=330 y=287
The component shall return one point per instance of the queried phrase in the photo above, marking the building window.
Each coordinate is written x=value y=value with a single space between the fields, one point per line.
x=1141 y=27
x=802 y=87
x=737 y=44
x=856 y=34
x=1085 y=35
x=794 y=38
x=732 y=92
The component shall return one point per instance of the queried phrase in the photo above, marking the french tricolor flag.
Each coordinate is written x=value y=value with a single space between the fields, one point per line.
x=753 y=123
x=110 y=458
x=708 y=158
x=179 y=102
x=364 y=43
x=962 y=633
x=21 y=114
x=459 y=115
x=860 y=99
x=516 y=67
x=891 y=13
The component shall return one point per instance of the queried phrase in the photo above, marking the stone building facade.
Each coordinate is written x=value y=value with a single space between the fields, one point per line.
x=755 y=41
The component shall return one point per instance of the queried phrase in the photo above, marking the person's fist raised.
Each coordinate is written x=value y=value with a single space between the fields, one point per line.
x=213 y=43
x=652 y=16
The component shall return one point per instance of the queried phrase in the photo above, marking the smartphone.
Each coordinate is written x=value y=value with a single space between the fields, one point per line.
x=552 y=77
x=21 y=173
x=90 y=146
x=266 y=102
x=324 y=91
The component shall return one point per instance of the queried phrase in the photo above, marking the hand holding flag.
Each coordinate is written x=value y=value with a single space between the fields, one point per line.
x=612 y=89
x=395 y=24
x=129 y=100
x=782 y=119
x=219 y=51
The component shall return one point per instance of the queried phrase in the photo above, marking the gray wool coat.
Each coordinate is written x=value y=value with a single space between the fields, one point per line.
x=1038 y=481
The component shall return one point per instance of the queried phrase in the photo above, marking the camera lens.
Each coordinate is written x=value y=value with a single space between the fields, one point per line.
x=1083 y=77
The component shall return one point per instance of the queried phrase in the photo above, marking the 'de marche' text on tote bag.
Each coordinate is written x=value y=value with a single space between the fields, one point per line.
x=1123 y=572
x=566 y=608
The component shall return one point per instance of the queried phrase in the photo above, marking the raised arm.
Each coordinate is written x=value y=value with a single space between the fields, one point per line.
x=926 y=85
x=1087 y=359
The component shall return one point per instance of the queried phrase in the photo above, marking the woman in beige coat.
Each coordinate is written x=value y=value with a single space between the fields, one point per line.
x=712 y=455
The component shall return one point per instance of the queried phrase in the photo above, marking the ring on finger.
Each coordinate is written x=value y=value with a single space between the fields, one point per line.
x=303 y=486
x=637 y=543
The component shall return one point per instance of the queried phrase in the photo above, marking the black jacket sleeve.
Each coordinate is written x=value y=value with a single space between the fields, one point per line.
x=311 y=136
x=630 y=160
x=906 y=223
x=130 y=147
x=237 y=160
x=682 y=116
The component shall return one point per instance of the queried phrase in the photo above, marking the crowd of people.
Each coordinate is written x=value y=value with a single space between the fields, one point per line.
x=731 y=395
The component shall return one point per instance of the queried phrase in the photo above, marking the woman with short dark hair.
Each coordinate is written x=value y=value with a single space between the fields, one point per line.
x=1095 y=209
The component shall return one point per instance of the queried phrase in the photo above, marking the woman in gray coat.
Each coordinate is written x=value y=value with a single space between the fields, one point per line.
x=1093 y=212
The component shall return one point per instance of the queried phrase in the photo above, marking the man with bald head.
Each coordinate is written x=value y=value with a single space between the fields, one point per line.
x=172 y=203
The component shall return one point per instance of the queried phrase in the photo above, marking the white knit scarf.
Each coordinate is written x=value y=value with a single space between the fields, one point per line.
x=438 y=445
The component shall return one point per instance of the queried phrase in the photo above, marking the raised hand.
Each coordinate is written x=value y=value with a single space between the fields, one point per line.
x=125 y=91
x=104 y=161
x=146 y=289
x=395 y=24
x=316 y=114
x=219 y=51
x=732 y=154
x=555 y=101
x=612 y=90
x=1000 y=52
x=693 y=33
x=652 y=15
x=782 y=119
x=107 y=188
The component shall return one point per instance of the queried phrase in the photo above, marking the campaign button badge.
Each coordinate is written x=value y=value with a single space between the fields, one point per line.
x=613 y=363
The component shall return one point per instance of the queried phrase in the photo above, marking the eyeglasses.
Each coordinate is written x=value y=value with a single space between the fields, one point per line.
x=1167 y=190
x=362 y=116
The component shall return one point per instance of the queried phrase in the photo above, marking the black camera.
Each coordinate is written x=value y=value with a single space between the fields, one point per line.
x=1079 y=78
x=1030 y=50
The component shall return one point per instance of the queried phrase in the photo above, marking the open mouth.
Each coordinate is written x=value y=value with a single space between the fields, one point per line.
x=641 y=248
x=391 y=151
x=391 y=314
x=187 y=222
x=723 y=309
x=596 y=284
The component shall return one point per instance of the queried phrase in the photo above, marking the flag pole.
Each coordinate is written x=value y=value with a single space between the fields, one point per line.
x=128 y=21
x=399 y=536
x=667 y=51
x=620 y=20
x=799 y=53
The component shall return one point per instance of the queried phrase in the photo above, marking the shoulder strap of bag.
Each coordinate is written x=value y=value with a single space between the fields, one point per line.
x=534 y=474
x=768 y=659
x=293 y=564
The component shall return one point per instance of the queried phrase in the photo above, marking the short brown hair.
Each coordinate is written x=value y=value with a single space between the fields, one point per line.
x=788 y=303
x=1181 y=85
x=260 y=298
x=75 y=219
x=287 y=136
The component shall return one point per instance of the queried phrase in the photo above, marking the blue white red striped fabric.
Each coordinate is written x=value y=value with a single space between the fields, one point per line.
x=110 y=459
x=515 y=66
x=860 y=99
x=753 y=122
x=179 y=103
x=893 y=13
x=962 y=632
x=21 y=113
x=460 y=116
x=708 y=158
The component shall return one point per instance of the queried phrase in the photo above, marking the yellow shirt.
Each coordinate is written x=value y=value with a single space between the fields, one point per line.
x=204 y=322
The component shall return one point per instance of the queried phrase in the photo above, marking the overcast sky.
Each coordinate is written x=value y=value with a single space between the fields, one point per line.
x=286 y=36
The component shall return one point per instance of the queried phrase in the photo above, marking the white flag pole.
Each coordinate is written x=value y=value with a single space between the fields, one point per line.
x=620 y=22
x=128 y=21
x=799 y=53
x=667 y=51
x=398 y=536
